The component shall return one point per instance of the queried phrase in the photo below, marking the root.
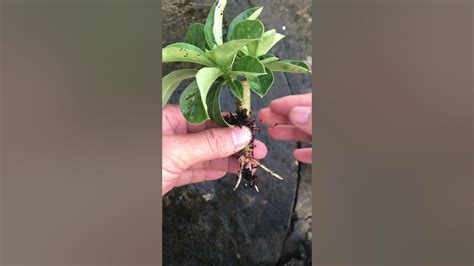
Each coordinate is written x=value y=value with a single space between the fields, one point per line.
x=240 y=177
x=248 y=163
x=266 y=169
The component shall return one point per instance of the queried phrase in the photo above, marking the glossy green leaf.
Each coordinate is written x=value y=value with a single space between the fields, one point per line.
x=244 y=50
x=269 y=39
x=261 y=47
x=248 y=29
x=218 y=15
x=249 y=14
x=267 y=58
x=249 y=66
x=191 y=104
x=224 y=54
x=195 y=36
x=185 y=52
x=209 y=28
x=171 y=81
x=205 y=77
x=290 y=66
x=214 y=104
x=244 y=33
x=235 y=86
x=261 y=84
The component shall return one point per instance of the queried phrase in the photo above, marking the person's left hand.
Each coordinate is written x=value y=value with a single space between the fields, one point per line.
x=196 y=153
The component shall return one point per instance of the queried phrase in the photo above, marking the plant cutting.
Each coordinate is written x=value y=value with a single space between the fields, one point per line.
x=240 y=62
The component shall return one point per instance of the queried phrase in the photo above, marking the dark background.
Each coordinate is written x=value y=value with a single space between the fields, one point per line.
x=80 y=153
x=393 y=138
x=209 y=223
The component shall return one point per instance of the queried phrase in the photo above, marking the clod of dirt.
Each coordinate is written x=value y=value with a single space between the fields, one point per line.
x=248 y=165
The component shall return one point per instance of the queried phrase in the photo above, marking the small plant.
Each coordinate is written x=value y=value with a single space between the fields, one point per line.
x=240 y=61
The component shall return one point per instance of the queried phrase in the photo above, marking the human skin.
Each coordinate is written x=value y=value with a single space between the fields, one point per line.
x=197 y=153
x=292 y=116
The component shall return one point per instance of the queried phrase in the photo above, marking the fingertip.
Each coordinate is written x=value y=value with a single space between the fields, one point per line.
x=272 y=132
x=263 y=114
x=274 y=103
x=241 y=136
x=260 y=150
x=303 y=155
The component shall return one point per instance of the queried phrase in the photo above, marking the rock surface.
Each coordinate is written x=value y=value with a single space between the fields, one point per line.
x=208 y=223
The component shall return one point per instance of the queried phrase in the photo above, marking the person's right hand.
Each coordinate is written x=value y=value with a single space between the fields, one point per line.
x=292 y=116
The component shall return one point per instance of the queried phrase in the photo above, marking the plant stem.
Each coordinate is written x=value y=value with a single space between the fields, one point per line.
x=246 y=158
x=246 y=97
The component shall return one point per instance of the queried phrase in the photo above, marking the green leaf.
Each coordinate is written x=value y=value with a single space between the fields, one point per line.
x=267 y=58
x=249 y=14
x=209 y=28
x=269 y=39
x=244 y=50
x=218 y=15
x=244 y=33
x=224 y=54
x=205 y=77
x=195 y=36
x=290 y=66
x=191 y=104
x=185 y=52
x=236 y=88
x=248 y=29
x=214 y=104
x=171 y=81
x=261 y=47
x=249 y=66
x=261 y=84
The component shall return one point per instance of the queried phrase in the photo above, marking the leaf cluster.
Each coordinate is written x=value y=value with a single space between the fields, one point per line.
x=242 y=54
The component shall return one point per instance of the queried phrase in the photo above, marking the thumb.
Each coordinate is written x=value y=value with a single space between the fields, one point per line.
x=211 y=144
x=300 y=116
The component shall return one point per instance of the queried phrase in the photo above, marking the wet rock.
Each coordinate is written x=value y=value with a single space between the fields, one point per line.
x=299 y=239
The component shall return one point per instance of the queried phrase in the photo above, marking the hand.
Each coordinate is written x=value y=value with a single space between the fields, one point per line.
x=292 y=114
x=196 y=153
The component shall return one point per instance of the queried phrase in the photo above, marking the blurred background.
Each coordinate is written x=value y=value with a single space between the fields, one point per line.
x=208 y=223
x=79 y=133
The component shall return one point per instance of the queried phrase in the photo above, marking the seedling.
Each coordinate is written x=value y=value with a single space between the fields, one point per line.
x=239 y=62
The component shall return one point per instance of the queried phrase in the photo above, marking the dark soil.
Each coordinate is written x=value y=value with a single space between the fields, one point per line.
x=247 y=160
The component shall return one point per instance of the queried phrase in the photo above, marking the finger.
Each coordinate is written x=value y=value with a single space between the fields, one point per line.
x=230 y=164
x=300 y=117
x=194 y=128
x=303 y=155
x=196 y=176
x=282 y=106
x=174 y=122
x=286 y=132
x=269 y=118
x=260 y=150
x=215 y=143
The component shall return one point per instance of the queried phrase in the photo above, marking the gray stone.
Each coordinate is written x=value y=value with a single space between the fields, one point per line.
x=209 y=223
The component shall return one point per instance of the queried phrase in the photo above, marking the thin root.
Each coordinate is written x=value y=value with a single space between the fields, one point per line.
x=240 y=178
x=266 y=169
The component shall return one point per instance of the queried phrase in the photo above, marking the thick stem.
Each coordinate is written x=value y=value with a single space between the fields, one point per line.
x=246 y=104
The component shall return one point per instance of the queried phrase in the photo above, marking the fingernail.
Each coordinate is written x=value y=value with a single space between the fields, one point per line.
x=300 y=114
x=241 y=137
